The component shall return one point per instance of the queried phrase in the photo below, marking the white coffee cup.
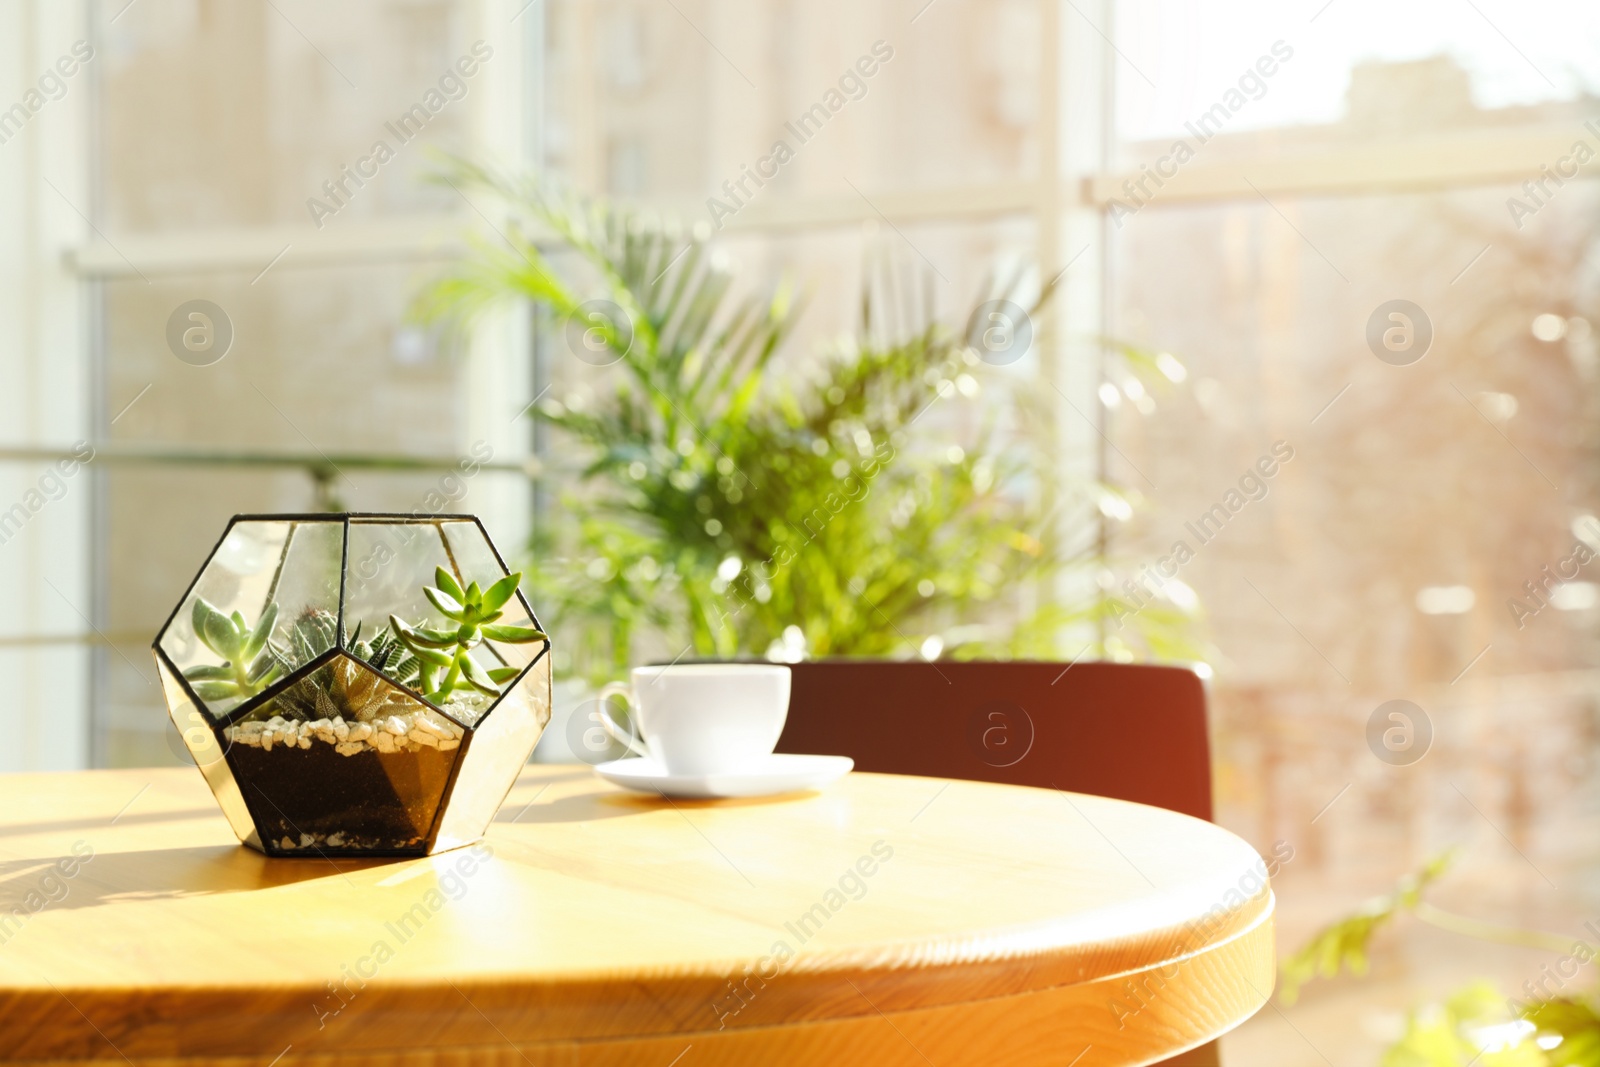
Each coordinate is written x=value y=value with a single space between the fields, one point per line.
x=702 y=718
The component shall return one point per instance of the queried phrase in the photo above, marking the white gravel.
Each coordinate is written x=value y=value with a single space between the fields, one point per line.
x=409 y=732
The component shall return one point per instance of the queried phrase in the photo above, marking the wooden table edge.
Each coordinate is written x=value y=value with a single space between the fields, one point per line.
x=1136 y=1017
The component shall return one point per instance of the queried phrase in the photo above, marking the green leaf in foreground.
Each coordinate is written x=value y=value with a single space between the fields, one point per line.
x=1345 y=944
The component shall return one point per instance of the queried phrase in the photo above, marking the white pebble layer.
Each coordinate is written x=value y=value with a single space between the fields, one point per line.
x=410 y=732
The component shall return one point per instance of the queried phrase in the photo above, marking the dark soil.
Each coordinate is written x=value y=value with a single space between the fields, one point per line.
x=379 y=801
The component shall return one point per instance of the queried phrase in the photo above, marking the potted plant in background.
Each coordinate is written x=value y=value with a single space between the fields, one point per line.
x=723 y=508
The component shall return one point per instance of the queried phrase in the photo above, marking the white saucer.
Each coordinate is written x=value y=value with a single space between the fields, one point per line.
x=777 y=773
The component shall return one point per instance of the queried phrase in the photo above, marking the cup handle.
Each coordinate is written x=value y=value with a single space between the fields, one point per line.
x=610 y=725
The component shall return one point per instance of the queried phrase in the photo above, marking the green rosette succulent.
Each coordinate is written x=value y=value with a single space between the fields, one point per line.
x=473 y=614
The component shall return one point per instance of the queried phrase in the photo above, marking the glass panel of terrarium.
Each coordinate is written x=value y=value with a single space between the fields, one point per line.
x=496 y=752
x=343 y=761
x=290 y=570
x=258 y=564
x=478 y=561
x=392 y=563
x=235 y=578
x=306 y=591
x=195 y=735
x=202 y=745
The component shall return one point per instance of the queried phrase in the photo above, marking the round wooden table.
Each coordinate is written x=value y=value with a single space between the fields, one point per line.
x=889 y=920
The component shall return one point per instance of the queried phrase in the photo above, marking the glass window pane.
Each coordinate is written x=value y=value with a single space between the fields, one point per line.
x=260 y=104
x=668 y=102
x=1376 y=476
x=1428 y=59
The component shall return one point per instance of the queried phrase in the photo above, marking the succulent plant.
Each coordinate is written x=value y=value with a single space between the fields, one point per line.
x=340 y=690
x=313 y=633
x=410 y=655
x=249 y=660
x=473 y=613
x=385 y=653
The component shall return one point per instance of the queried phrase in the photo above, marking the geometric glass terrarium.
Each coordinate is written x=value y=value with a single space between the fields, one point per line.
x=356 y=684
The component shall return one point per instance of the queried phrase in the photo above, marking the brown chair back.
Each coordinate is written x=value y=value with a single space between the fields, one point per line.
x=1127 y=731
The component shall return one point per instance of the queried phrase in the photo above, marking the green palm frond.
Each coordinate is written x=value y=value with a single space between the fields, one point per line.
x=720 y=506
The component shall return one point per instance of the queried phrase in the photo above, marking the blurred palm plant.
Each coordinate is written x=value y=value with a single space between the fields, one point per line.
x=728 y=511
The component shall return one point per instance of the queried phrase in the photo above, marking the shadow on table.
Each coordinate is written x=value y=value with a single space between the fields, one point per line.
x=94 y=822
x=38 y=884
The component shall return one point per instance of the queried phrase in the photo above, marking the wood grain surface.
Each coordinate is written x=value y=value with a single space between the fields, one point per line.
x=889 y=920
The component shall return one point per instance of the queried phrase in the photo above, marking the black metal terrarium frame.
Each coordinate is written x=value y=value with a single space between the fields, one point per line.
x=477 y=800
